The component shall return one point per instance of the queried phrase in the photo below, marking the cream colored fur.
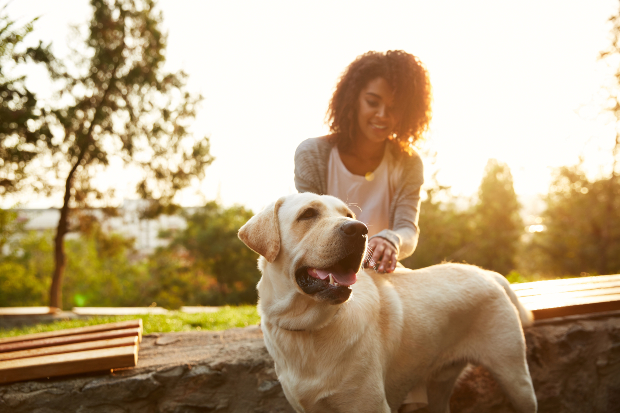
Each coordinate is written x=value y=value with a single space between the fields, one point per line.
x=395 y=332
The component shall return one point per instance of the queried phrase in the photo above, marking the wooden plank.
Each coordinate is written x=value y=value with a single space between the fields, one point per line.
x=592 y=288
x=78 y=338
x=17 y=311
x=568 y=296
x=68 y=363
x=541 y=285
x=75 y=331
x=569 y=301
x=571 y=296
x=69 y=348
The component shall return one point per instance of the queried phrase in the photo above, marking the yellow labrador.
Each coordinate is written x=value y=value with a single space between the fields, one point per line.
x=346 y=339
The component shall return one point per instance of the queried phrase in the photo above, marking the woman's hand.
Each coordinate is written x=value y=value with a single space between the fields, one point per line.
x=384 y=254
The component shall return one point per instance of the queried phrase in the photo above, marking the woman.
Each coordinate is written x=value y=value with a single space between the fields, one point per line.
x=379 y=110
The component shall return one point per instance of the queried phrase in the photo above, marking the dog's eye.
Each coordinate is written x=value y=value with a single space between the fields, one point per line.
x=308 y=213
x=349 y=215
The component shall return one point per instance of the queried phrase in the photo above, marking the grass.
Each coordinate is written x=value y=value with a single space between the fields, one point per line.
x=227 y=317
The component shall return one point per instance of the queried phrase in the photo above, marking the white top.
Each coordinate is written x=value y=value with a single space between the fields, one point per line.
x=368 y=196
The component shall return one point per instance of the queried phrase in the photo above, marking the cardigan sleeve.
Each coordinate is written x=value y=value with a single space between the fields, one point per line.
x=404 y=233
x=308 y=167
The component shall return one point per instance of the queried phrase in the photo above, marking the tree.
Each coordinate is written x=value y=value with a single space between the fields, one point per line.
x=115 y=101
x=608 y=236
x=486 y=234
x=21 y=256
x=497 y=224
x=576 y=220
x=213 y=248
x=100 y=269
x=20 y=118
x=446 y=231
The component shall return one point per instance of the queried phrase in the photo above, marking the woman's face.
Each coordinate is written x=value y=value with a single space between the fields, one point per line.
x=375 y=114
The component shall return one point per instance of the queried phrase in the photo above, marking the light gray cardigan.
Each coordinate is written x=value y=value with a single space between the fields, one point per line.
x=311 y=161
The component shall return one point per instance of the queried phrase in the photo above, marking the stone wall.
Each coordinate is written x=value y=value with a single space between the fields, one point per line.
x=575 y=365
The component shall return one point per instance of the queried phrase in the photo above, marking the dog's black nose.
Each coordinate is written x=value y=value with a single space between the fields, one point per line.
x=354 y=228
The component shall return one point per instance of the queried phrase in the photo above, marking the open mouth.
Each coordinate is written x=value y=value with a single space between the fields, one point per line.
x=334 y=281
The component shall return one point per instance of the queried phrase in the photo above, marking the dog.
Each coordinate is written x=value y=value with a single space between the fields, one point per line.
x=348 y=339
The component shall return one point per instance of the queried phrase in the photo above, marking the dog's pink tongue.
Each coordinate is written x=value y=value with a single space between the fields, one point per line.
x=318 y=273
x=345 y=279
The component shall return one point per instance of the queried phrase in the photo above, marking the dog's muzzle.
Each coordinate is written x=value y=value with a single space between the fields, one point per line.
x=333 y=282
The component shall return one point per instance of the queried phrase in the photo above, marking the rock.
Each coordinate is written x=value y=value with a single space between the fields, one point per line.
x=574 y=362
x=167 y=339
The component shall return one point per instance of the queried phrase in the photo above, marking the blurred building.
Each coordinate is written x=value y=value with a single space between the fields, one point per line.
x=129 y=223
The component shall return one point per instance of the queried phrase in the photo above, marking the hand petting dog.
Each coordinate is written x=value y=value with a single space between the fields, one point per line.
x=382 y=255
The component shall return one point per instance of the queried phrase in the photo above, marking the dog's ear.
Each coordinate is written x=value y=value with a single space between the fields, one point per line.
x=262 y=232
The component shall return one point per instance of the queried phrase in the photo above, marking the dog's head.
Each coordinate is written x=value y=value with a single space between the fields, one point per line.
x=314 y=239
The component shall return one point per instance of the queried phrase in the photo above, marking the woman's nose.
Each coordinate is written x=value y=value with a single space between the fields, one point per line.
x=383 y=112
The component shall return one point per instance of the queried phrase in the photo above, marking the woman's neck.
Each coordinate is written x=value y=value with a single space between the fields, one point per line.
x=364 y=149
x=362 y=156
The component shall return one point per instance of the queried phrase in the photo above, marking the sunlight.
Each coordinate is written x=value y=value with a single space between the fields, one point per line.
x=536 y=228
x=510 y=96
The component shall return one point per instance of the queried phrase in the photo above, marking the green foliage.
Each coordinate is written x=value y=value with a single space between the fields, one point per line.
x=582 y=225
x=173 y=282
x=209 y=256
x=9 y=226
x=24 y=270
x=20 y=118
x=497 y=224
x=100 y=271
x=19 y=286
x=445 y=229
x=113 y=100
x=227 y=317
x=486 y=234
x=205 y=264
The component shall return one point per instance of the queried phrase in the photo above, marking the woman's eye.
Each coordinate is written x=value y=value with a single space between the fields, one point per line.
x=308 y=213
x=372 y=103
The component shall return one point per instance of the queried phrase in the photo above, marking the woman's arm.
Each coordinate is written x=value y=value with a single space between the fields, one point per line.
x=406 y=206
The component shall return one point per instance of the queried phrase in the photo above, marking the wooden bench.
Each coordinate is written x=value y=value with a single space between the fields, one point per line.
x=570 y=296
x=70 y=351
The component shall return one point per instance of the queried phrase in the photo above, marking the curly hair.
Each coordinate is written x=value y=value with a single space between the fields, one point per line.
x=410 y=82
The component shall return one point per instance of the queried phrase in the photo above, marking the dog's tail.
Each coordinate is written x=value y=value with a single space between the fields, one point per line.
x=526 y=316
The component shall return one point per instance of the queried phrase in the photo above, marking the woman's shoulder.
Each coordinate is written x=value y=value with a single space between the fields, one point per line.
x=314 y=147
x=406 y=160
x=316 y=143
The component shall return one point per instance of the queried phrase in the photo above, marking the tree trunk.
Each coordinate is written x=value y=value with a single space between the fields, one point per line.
x=60 y=258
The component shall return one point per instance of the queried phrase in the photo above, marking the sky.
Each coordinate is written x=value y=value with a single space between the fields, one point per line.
x=516 y=81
